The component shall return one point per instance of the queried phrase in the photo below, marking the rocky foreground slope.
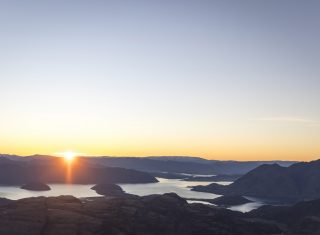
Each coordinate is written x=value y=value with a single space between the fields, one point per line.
x=150 y=215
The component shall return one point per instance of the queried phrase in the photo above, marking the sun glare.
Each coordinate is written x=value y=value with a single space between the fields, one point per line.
x=69 y=156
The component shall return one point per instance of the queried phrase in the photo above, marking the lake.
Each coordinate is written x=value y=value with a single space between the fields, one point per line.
x=164 y=186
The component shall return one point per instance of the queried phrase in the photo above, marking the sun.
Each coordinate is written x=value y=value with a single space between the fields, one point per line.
x=69 y=156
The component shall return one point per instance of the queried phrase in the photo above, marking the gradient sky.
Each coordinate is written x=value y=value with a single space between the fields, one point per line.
x=217 y=79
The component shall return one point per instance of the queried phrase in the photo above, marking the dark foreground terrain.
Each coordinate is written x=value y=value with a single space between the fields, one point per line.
x=151 y=215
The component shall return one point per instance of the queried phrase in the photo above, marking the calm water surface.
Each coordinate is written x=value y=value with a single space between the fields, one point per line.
x=164 y=186
x=77 y=190
x=167 y=186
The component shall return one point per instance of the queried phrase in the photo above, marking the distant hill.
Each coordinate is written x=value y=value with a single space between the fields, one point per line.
x=301 y=181
x=55 y=170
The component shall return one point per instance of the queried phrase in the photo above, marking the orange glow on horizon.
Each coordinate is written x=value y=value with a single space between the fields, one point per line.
x=241 y=151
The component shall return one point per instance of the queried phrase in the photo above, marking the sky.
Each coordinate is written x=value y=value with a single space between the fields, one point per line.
x=217 y=79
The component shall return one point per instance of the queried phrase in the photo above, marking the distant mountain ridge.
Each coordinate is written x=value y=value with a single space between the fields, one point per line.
x=181 y=159
x=172 y=164
x=189 y=165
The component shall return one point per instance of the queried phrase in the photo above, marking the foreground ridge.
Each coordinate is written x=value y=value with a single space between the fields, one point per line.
x=152 y=215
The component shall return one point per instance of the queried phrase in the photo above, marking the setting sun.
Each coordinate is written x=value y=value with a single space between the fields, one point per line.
x=68 y=156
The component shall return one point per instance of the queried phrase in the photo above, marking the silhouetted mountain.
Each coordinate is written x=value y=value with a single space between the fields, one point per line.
x=241 y=168
x=152 y=215
x=56 y=170
x=297 y=182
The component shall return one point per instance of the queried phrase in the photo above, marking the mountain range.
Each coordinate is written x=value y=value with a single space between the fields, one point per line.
x=169 y=164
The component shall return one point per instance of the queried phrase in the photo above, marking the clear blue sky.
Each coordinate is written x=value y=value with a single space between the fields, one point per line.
x=219 y=79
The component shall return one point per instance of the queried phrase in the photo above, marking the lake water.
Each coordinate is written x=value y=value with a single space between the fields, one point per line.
x=164 y=186
x=170 y=185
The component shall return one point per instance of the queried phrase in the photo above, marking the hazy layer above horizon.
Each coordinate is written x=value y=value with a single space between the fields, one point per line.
x=218 y=79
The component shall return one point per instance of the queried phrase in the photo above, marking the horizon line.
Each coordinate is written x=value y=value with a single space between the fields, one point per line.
x=152 y=156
